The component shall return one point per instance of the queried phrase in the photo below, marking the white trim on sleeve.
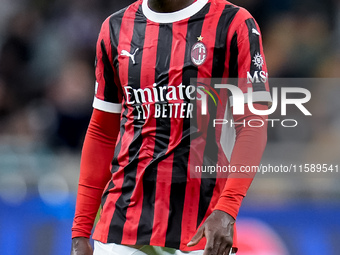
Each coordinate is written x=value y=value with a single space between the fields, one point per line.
x=259 y=96
x=106 y=106
x=171 y=17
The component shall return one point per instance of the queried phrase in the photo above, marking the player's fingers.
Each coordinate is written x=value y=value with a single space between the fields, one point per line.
x=218 y=244
x=226 y=250
x=225 y=246
x=197 y=237
x=210 y=246
x=222 y=249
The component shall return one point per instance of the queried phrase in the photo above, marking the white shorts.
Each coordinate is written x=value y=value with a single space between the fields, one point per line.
x=119 y=249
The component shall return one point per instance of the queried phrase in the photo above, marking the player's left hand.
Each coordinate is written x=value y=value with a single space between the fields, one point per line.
x=219 y=231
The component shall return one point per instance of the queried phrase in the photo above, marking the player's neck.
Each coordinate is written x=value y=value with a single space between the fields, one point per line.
x=168 y=5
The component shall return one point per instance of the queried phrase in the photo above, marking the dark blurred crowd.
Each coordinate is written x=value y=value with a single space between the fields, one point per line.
x=47 y=51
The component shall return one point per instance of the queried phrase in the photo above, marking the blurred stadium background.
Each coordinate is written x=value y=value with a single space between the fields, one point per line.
x=46 y=92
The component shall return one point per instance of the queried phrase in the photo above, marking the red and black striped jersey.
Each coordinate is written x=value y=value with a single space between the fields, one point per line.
x=146 y=63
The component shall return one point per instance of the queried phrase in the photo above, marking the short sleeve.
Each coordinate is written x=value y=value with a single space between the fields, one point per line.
x=108 y=95
x=247 y=60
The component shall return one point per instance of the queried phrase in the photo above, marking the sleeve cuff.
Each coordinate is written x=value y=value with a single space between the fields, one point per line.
x=78 y=233
x=106 y=106
x=229 y=205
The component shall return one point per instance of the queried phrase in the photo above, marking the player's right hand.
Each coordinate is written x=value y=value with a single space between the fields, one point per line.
x=81 y=246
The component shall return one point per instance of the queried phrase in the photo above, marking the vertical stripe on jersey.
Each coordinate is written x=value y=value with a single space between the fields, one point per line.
x=152 y=195
x=181 y=153
x=145 y=224
x=220 y=51
x=211 y=149
x=165 y=179
x=130 y=170
x=110 y=89
x=189 y=213
x=109 y=186
x=162 y=189
x=233 y=62
x=123 y=121
x=255 y=48
x=143 y=191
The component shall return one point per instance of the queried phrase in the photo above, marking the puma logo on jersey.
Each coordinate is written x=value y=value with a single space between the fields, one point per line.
x=128 y=54
x=254 y=31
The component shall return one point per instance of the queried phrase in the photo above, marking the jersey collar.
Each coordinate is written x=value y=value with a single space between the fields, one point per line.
x=172 y=16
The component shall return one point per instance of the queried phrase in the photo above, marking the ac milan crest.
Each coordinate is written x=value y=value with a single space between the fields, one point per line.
x=198 y=53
